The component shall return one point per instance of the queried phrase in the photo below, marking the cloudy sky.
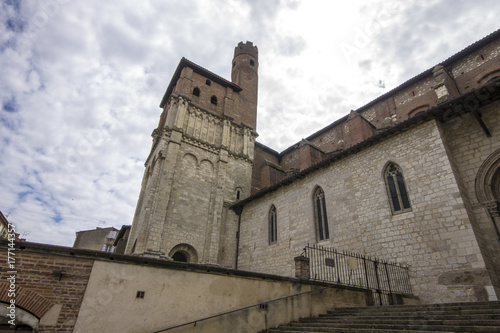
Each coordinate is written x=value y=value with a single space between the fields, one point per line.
x=81 y=81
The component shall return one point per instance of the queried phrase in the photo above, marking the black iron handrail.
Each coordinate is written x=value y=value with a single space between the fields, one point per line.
x=261 y=304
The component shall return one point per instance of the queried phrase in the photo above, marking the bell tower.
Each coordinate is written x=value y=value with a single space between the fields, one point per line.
x=244 y=73
x=200 y=163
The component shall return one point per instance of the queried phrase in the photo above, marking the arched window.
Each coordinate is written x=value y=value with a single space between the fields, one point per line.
x=196 y=92
x=180 y=256
x=322 y=231
x=238 y=193
x=252 y=63
x=213 y=100
x=208 y=82
x=273 y=225
x=396 y=188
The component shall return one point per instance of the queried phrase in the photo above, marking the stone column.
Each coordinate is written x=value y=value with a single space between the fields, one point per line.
x=302 y=270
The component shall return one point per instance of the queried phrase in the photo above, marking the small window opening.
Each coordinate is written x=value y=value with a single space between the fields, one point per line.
x=213 y=100
x=208 y=82
x=180 y=256
x=238 y=194
x=252 y=63
x=140 y=294
x=196 y=92
x=273 y=225
x=234 y=63
x=413 y=93
x=482 y=58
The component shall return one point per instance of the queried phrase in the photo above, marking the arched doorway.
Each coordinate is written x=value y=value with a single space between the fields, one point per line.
x=184 y=253
x=488 y=187
x=23 y=320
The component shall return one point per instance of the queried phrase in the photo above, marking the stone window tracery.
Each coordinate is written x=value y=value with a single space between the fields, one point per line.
x=320 y=215
x=396 y=189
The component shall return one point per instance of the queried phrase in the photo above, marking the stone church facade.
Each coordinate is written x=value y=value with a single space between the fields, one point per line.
x=412 y=177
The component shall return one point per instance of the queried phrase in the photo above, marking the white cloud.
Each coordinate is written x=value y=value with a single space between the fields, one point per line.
x=81 y=83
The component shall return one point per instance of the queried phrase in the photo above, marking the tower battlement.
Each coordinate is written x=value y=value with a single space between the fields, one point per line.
x=246 y=48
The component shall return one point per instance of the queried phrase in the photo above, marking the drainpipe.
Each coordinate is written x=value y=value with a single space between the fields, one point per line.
x=238 y=211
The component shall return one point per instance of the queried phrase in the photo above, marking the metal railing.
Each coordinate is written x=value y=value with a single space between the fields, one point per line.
x=386 y=280
x=262 y=305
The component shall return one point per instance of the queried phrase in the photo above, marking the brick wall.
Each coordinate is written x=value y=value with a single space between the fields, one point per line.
x=412 y=97
x=40 y=291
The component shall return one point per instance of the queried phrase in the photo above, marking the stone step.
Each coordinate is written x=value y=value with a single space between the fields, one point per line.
x=388 y=328
x=407 y=321
x=433 y=307
x=415 y=316
x=357 y=330
x=481 y=317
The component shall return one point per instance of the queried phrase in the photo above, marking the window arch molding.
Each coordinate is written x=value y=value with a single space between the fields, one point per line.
x=273 y=225
x=487 y=185
x=184 y=252
x=396 y=188
x=321 y=226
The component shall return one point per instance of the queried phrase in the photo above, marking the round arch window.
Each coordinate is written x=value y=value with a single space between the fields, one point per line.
x=181 y=256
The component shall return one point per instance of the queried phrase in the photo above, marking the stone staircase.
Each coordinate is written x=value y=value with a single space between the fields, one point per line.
x=452 y=317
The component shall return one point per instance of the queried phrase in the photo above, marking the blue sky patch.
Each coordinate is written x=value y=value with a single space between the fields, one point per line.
x=10 y=105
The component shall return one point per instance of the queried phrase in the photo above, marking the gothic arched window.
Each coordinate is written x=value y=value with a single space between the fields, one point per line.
x=273 y=225
x=396 y=188
x=321 y=218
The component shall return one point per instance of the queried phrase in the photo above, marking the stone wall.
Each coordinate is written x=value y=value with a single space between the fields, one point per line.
x=435 y=238
x=200 y=165
x=135 y=294
x=470 y=147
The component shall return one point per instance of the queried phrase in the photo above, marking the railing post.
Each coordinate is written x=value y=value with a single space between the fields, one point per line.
x=379 y=291
x=302 y=268
x=391 y=300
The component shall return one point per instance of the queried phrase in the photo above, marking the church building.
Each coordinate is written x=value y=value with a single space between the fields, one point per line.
x=412 y=177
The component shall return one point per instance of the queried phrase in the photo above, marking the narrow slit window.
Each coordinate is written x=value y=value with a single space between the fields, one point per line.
x=273 y=225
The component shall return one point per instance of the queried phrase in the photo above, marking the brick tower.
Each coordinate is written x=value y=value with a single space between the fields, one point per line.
x=244 y=73
x=200 y=163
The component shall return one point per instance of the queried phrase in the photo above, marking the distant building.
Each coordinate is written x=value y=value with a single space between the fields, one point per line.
x=100 y=239
x=4 y=226
x=122 y=238
x=4 y=229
